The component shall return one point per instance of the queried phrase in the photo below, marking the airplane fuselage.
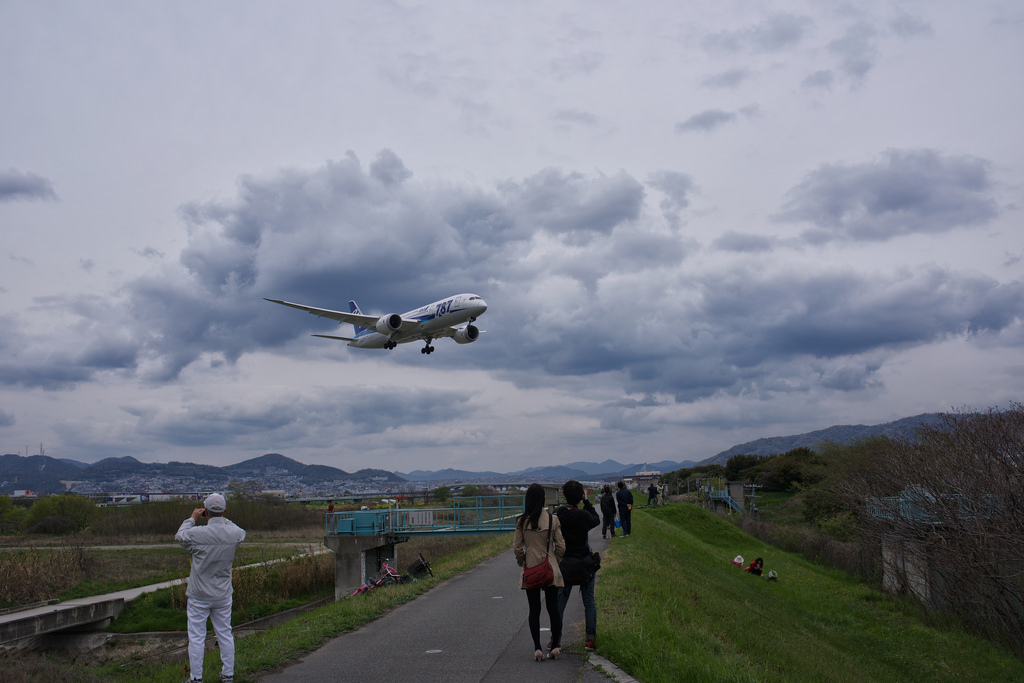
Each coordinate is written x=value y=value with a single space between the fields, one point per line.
x=433 y=318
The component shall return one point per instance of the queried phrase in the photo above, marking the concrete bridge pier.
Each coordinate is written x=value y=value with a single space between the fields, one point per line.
x=356 y=558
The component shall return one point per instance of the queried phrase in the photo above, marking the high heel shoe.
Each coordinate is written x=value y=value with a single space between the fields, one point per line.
x=553 y=654
x=538 y=655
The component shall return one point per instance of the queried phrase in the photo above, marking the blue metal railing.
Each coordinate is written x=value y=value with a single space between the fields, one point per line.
x=907 y=507
x=720 y=494
x=480 y=515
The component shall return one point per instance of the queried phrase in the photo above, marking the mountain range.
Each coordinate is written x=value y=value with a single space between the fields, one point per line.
x=44 y=474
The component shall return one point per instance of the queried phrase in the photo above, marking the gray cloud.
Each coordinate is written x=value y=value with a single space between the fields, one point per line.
x=16 y=186
x=6 y=419
x=711 y=119
x=577 y=63
x=753 y=333
x=819 y=80
x=571 y=205
x=389 y=169
x=327 y=416
x=729 y=80
x=90 y=340
x=575 y=117
x=903 y=192
x=677 y=188
x=856 y=52
x=777 y=31
x=909 y=25
x=744 y=243
x=706 y=121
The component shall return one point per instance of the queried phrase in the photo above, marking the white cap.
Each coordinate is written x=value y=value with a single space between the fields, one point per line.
x=215 y=503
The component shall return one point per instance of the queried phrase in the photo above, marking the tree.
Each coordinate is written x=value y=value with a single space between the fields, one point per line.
x=63 y=514
x=738 y=465
x=245 y=489
x=11 y=516
x=948 y=508
x=443 y=494
x=791 y=470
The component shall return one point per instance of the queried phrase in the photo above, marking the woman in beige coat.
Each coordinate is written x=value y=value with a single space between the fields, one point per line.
x=530 y=545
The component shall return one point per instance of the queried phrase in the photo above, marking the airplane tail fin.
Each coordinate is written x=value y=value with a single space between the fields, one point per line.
x=353 y=307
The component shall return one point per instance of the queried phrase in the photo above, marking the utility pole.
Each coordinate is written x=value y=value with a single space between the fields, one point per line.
x=753 y=497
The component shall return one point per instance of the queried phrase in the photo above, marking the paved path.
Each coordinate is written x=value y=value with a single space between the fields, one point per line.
x=467 y=629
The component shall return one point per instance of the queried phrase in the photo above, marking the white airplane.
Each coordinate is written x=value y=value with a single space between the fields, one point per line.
x=425 y=323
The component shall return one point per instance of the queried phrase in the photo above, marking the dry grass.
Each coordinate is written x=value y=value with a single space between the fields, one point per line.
x=37 y=575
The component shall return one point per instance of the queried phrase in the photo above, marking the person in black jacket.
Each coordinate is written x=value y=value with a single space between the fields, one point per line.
x=578 y=564
x=625 y=500
x=607 y=511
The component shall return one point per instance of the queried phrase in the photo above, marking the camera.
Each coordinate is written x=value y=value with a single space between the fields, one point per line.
x=204 y=513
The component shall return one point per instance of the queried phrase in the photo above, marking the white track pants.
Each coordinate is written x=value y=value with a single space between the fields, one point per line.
x=219 y=613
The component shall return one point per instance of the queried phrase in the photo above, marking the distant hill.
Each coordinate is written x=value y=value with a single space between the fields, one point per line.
x=275 y=463
x=35 y=473
x=43 y=474
x=840 y=434
x=449 y=474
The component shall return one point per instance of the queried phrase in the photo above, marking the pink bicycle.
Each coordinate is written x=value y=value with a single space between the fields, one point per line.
x=388 y=574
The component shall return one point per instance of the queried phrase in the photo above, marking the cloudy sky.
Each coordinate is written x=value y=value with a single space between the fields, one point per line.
x=695 y=224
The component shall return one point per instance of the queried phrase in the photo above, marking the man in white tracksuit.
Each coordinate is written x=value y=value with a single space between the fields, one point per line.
x=209 y=584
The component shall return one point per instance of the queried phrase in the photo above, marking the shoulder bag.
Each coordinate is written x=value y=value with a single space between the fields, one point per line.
x=542 y=574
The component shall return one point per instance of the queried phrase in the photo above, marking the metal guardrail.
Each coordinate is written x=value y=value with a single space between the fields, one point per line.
x=480 y=515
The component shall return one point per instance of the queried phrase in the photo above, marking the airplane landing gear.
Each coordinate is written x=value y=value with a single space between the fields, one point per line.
x=428 y=349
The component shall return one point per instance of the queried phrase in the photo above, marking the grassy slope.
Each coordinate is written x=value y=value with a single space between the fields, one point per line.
x=672 y=608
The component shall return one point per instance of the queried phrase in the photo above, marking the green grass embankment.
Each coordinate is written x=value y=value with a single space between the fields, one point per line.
x=671 y=607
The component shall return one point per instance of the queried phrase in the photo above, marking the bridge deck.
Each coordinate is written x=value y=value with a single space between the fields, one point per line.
x=482 y=515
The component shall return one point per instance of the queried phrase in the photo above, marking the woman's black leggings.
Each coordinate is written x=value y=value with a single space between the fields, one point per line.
x=551 y=601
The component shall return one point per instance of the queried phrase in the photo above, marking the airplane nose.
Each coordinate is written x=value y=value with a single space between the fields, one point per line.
x=482 y=305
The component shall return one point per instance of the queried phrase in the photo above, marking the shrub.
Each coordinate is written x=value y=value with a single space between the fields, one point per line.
x=65 y=514
x=949 y=509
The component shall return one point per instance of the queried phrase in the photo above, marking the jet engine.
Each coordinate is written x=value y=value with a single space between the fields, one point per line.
x=387 y=324
x=467 y=334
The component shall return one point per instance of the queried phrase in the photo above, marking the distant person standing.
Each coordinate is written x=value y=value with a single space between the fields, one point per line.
x=607 y=511
x=578 y=563
x=212 y=547
x=625 y=500
x=652 y=495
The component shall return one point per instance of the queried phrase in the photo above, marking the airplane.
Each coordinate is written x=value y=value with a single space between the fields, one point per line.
x=426 y=323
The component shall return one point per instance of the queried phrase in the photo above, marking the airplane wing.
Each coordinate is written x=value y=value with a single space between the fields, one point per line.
x=331 y=336
x=444 y=332
x=367 y=321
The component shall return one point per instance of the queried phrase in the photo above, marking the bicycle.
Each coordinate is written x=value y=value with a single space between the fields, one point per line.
x=388 y=574
x=419 y=568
